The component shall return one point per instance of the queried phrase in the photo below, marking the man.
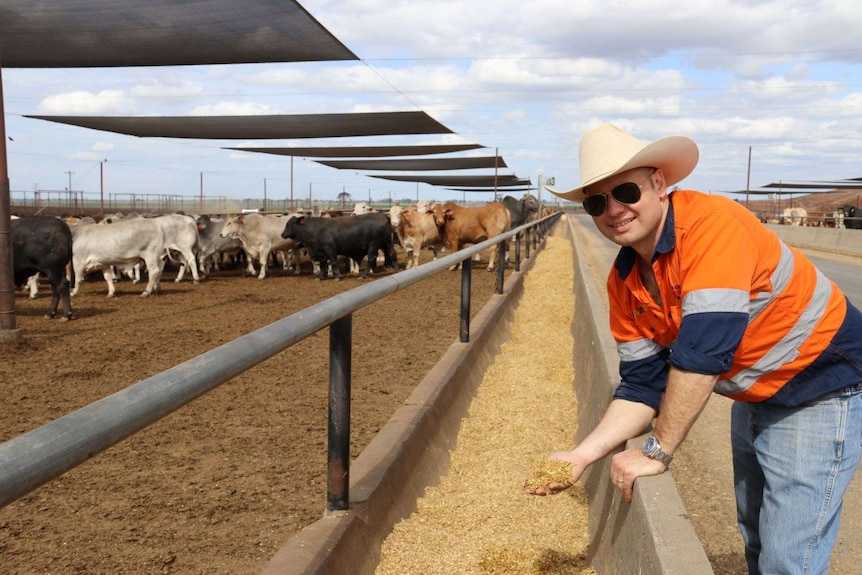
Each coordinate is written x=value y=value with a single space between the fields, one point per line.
x=705 y=298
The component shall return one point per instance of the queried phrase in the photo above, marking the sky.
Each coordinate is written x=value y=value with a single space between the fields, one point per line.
x=771 y=91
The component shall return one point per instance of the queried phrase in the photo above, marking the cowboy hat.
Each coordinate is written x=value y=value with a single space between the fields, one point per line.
x=608 y=151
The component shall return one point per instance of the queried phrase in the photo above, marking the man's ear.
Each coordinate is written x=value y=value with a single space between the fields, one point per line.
x=659 y=182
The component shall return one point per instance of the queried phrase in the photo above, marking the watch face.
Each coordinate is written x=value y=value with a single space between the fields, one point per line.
x=650 y=445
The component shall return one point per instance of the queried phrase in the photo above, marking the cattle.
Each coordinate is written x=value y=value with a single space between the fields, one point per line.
x=523 y=210
x=130 y=270
x=126 y=242
x=33 y=285
x=260 y=234
x=852 y=219
x=42 y=244
x=415 y=230
x=181 y=236
x=360 y=208
x=213 y=247
x=424 y=206
x=460 y=225
x=795 y=216
x=353 y=236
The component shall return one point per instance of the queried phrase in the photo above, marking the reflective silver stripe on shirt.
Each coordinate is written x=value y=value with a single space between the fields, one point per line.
x=787 y=349
x=715 y=300
x=734 y=300
x=779 y=280
x=638 y=349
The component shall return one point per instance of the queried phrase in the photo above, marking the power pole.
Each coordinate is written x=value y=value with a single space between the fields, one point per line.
x=8 y=329
x=102 y=185
x=70 y=187
x=748 y=179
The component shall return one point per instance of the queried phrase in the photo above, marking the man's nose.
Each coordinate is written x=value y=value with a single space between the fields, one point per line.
x=613 y=206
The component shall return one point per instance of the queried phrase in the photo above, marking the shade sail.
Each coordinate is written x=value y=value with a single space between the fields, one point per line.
x=508 y=189
x=91 y=33
x=774 y=192
x=790 y=191
x=260 y=127
x=813 y=186
x=477 y=181
x=363 y=151
x=420 y=164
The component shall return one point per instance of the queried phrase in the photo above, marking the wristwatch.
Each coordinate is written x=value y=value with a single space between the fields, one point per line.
x=652 y=449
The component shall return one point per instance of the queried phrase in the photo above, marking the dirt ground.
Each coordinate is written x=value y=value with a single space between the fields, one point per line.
x=218 y=486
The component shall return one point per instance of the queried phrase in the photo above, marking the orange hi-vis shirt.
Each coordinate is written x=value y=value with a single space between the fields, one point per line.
x=736 y=302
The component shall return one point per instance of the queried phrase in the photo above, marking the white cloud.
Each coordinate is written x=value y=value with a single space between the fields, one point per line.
x=81 y=102
x=233 y=109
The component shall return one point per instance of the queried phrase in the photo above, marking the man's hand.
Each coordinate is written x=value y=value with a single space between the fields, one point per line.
x=630 y=464
x=578 y=468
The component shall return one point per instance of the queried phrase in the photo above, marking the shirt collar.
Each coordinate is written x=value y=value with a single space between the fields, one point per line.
x=627 y=256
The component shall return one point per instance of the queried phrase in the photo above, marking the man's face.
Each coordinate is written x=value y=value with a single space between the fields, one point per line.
x=635 y=224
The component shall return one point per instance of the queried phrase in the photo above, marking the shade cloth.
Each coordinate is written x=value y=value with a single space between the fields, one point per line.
x=260 y=127
x=508 y=189
x=420 y=164
x=825 y=186
x=478 y=181
x=362 y=151
x=90 y=33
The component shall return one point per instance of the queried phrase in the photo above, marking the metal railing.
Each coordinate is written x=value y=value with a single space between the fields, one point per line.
x=43 y=454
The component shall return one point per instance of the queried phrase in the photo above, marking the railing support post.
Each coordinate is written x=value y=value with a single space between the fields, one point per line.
x=466 y=283
x=518 y=252
x=501 y=265
x=338 y=461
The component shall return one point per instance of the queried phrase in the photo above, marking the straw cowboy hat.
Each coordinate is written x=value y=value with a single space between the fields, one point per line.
x=608 y=151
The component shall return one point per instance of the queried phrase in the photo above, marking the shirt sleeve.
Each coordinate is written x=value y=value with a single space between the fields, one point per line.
x=643 y=380
x=707 y=342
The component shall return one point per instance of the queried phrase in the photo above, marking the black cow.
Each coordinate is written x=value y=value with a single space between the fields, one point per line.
x=353 y=236
x=44 y=244
x=852 y=220
x=522 y=210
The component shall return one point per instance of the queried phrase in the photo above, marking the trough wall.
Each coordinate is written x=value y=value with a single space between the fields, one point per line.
x=408 y=454
x=652 y=534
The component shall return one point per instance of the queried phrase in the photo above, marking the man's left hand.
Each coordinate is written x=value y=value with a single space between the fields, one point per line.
x=630 y=464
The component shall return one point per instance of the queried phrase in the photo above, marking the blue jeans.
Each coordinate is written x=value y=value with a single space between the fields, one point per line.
x=791 y=468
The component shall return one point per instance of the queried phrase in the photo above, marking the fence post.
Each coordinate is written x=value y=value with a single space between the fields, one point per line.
x=338 y=461
x=501 y=265
x=518 y=252
x=466 y=284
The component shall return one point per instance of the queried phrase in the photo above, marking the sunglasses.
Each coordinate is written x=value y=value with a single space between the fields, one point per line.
x=625 y=193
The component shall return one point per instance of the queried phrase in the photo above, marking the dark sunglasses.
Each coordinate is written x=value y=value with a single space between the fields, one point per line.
x=625 y=193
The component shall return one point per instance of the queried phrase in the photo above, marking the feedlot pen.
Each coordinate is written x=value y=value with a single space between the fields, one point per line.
x=219 y=485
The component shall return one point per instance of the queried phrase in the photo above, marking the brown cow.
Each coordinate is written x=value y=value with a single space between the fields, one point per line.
x=415 y=230
x=460 y=226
